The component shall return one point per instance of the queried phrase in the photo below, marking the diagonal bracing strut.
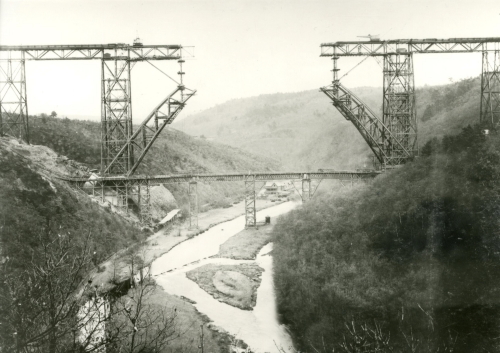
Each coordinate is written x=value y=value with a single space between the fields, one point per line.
x=378 y=136
x=142 y=139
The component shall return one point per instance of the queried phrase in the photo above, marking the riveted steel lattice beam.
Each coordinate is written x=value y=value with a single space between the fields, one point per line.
x=398 y=46
x=182 y=178
x=97 y=51
x=13 y=98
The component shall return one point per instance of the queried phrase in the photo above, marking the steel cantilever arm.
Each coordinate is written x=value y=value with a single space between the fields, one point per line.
x=142 y=139
x=371 y=127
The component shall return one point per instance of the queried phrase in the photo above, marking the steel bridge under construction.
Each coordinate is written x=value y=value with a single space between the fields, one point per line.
x=137 y=188
x=393 y=137
x=123 y=149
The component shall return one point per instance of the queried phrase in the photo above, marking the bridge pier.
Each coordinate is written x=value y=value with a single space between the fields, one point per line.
x=250 y=211
x=490 y=88
x=13 y=98
x=193 y=204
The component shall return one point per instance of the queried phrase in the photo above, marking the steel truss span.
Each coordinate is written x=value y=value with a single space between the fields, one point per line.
x=122 y=149
x=185 y=178
x=136 y=188
x=393 y=138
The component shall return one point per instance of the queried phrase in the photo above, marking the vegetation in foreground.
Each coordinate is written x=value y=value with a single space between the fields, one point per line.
x=408 y=263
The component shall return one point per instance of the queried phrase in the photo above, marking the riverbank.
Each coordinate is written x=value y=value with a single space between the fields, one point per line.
x=118 y=267
x=259 y=327
x=246 y=244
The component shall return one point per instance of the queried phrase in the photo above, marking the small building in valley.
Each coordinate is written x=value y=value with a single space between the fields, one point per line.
x=278 y=187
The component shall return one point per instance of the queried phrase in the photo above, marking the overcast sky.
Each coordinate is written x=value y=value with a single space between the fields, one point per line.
x=242 y=48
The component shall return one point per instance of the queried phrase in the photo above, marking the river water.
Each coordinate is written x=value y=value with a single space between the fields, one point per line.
x=259 y=328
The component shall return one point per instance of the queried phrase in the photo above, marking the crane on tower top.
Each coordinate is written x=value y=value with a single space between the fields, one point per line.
x=373 y=38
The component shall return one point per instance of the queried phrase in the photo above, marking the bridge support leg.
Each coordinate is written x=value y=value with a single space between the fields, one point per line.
x=399 y=111
x=144 y=202
x=490 y=88
x=250 y=212
x=13 y=98
x=193 y=205
x=306 y=189
x=121 y=189
x=116 y=114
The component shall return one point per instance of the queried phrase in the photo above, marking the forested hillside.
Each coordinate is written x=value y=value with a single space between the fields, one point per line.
x=304 y=130
x=174 y=152
x=407 y=263
x=37 y=215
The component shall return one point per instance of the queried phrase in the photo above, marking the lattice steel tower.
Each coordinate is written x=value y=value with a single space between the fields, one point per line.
x=116 y=115
x=399 y=113
x=393 y=138
x=122 y=149
x=490 y=88
x=13 y=97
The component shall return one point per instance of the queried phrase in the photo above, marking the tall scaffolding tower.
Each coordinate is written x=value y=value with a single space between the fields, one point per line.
x=393 y=137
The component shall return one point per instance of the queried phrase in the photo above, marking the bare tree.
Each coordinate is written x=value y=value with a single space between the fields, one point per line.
x=50 y=305
x=144 y=326
x=42 y=302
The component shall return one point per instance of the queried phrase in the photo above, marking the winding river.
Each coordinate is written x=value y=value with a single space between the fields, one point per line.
x=259 y=328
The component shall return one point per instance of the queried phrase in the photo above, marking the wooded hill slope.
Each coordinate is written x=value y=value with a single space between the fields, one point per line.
x=407 y=263
x=303 y=129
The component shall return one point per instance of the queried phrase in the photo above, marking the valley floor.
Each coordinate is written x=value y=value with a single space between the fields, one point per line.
x=117 y=268
x=244 y=245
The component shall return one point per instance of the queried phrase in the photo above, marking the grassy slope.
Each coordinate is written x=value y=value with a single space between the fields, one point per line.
x=31 y=206
x=303 y=130
x=416 y=252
